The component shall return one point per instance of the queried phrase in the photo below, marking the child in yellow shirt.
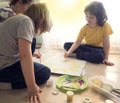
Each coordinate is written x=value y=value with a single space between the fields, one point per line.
x=93 y=42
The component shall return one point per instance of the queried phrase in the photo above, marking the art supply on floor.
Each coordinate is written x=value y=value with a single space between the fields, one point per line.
x=106 y=87
x=87 y=100
x=55 y=91
x=112 y=90
x=70 y=95
x=109 y=101
x=97 y=82
x=71 y=83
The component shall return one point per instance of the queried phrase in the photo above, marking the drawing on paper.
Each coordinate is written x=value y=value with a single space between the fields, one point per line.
x=58 y=64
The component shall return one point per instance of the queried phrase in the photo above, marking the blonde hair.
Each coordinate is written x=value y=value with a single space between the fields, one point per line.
x=39 y=14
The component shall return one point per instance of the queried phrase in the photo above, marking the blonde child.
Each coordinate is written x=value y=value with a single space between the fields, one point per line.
x=15 y=7
x=16 y=64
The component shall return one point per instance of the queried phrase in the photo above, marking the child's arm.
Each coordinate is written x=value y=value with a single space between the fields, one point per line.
x=106 y=47
x=27 y=66
x=75 y=45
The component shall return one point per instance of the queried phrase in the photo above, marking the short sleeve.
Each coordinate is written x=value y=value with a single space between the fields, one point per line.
x=82 y=33
x=26 y=29
x=107 y=29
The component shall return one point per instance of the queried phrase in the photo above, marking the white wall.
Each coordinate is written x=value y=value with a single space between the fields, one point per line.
x=68 y=18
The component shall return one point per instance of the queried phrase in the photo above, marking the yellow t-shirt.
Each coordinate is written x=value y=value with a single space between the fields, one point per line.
x=94 y=36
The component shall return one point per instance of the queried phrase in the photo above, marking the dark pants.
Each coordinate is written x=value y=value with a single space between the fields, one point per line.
x=13 y=74
x=33 y=45
x=86 y=52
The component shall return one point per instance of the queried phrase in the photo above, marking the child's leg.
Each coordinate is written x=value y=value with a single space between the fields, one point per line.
x=14 y=75
x=42 y=73
x=67 y=45
x=86 y=52
x=90 y=53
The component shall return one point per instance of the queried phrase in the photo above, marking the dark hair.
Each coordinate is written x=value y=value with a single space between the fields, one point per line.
x=13 y=2
x=97 y=9
x=40 y=15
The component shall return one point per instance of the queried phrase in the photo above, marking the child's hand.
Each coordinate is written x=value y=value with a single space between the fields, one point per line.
x=105 y=61
x=34 y=95
x=34 y=98
x=66 y=55
x=37 y=55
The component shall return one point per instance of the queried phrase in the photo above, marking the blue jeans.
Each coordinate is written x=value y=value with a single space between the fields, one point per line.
x=86 y=52
x=13 y=74
x=33 y=45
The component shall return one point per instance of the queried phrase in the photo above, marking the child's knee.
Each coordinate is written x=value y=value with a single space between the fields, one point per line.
x=43 y=75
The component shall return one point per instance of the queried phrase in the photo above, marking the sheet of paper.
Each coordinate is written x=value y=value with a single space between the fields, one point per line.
x=58 y=64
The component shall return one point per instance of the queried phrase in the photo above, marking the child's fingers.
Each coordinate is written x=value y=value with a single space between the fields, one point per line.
x=65 y=55
x=108 y=63
x=34 y=99
x=31 y=99
x=38 y=98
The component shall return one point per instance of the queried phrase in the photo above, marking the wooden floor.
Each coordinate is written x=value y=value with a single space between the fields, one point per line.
x=109 y=72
